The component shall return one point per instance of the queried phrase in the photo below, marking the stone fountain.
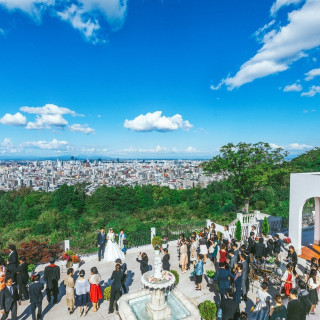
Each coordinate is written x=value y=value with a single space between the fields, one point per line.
x=159 y=300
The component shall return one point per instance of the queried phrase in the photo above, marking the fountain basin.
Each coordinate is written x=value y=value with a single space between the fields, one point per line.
x=132 y=306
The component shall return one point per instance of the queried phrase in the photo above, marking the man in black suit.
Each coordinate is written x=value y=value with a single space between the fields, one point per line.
x=260 y=249
x=101 y=241
x=251 y=245
x=276 y=246
x=245 y=276
x=124 y=275
x=22 y=279
x=230 y=308
x=52 y=277
x=295 y=307
x=8 y=300
x=35 y=291
x=12 y=262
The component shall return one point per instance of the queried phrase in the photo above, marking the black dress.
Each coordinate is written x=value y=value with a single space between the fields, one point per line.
x=144 y=266
x=115 y=289
x=22 y=280
x=165 y=262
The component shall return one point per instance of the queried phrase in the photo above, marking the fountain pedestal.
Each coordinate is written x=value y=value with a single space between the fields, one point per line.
x=158 y=308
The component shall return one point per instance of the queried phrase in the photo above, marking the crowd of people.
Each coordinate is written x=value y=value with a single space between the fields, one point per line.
x=233 y=262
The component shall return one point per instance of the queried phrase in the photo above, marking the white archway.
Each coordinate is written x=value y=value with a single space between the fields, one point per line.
x=303 y=186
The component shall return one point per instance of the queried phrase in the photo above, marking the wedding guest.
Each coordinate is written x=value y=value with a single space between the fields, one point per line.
x=22 y=279
x=293 y=258
x=212 y=231
x=236 y=250
x=52 y=277
x=101 y=242
x=288 y=280
x=115 y=287
x=223 y=253
x=279 y=311
x=260 y=249
x=82 y=293
x=9 y=298
x=122 y=239
x=123 y=267
x=245 y=276
x=203 y=247
x=305 y=299
x=179 y=241
x=199 y=271
x=229 y=306
x=215 y=247
x=70 y=284
x=95 y=289
x=165 y=260
x=13 y=262
x=269 y=248
x=294 y=308
x=3 y=271
x=143 y=260
x=226 y=235
x=232 y=261
x=263 y=298
x=276 y=246
x=251 y=245
x=183 y=256
x=254 y=230
x=35 y=293
x=313 y=284
x=188 y=244
x=223 y=276
x=237 y=280
x=193 y=251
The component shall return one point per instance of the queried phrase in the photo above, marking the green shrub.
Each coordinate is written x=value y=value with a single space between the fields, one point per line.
x=265 y=226
x=210 y=273
x=208 y=310
x=176 y=275
x=107 y=293
x=156 y=242
x=238 y=232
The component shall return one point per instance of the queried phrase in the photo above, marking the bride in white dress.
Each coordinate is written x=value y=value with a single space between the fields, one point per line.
x=112 y=251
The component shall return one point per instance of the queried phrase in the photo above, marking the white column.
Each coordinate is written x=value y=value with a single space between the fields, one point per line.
x=153 y=233
x=66 y=244
x=317 y=222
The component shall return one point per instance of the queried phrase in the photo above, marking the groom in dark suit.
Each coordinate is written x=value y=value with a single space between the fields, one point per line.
x=101 y=241
x=8 y=300
x=35 y=292
x=13 y=262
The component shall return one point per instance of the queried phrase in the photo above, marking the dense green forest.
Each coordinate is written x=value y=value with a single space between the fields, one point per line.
x=68 y=213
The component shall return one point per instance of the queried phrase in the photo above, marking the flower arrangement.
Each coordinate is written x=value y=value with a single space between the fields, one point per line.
x=200 y=234
x=164 y=240
x=76 y=259
x=31 y=267
x=287 y=240
x=257 y=239
x=65 y=257
x=165 y=276
x=210 y=273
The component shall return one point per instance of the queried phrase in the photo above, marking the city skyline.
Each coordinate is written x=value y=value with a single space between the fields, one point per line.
x=157 y=79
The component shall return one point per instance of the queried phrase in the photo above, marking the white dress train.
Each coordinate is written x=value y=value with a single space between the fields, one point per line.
x=112 y=251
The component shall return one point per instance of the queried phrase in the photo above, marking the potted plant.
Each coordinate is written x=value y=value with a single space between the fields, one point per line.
x=76 y=262
x=107 y=293
x=64 y=259
x=69 y=254
x=176 y=275
x=287 y=242
x=156 y=243
x=208 y=310
x=31 y=268
x=210 y=274
x=164 y=242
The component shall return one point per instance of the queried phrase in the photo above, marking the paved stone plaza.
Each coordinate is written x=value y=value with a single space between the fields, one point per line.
x=59 y=311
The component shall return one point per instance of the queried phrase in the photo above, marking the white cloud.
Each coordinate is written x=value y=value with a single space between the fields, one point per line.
x=293 y=87
x=84 y=128
x=312 y=91
x=282 y=3
x=156 y=122
x=77 y=18
x=282 y=47
x=83 y=15
x=312 y=74
x=46 y=121
x=14 y=119
x=191 y=149
x=217 y=87
x=48 y=109
x=47 y=145
x=292 y=146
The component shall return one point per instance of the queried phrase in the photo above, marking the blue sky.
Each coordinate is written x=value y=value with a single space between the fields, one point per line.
x=157 y=78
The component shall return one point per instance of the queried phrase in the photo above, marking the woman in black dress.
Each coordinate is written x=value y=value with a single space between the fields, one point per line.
x=116 y=276
x=313 y=285
x=143 y=260
x=293 y=258
x=165 y=260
